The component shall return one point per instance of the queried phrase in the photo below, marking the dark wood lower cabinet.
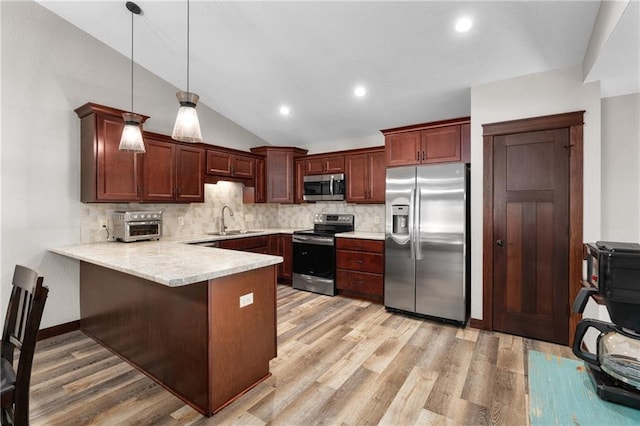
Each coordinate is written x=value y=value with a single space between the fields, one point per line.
x=360 y=268
x=194 y=340
x=282 y=245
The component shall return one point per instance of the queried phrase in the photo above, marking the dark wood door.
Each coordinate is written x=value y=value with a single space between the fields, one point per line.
x=260 y=181
x=243 y=166
x=159 y=171
x=531 y=234
x=189 y=174
x=300 y=166
x=218 y=163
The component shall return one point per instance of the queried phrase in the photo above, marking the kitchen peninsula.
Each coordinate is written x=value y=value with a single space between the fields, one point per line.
x=200 y=321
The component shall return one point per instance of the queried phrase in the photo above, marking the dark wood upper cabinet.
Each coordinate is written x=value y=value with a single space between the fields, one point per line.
x=318 y=165
x=172 y=172
x=260 y=183
x=107 y=174
x=437 y=142
x=189 y=174
x=222 y=163
x=365 y=173
x=298 y=187
x=159 y=170
x=279 y=171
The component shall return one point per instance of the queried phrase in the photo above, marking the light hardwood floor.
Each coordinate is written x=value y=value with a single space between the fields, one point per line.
x=340 y=362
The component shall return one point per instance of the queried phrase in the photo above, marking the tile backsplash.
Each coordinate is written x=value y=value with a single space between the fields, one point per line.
x=198 y=218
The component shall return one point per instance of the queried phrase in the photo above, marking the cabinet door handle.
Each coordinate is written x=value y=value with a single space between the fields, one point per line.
x=418 y=156
x=422 y=155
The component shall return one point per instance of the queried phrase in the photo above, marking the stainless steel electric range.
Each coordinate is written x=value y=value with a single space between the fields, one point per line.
x=314 y=254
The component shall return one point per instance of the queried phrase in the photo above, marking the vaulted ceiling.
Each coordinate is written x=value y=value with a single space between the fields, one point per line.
x=249 y=58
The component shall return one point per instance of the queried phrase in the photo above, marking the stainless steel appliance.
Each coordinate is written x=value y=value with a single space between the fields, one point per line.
x=614 y=271
x=427 y=240
x=131 y=226
x=324 y=187
x=314 y=254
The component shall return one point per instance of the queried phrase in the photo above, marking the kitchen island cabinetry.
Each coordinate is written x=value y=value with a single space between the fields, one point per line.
x=279 y=171
x=199 y=321
x=107 y=174
x=365 y=174
x=171 y=172
x=360 y=268
x=437 y=142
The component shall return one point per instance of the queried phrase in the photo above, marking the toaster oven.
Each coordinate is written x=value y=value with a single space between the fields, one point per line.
x=131 y=226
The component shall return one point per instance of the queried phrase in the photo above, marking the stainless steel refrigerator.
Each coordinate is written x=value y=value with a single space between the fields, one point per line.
x=427 y=259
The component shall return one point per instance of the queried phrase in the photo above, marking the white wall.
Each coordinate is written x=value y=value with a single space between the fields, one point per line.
x=546 y=93
x=49 y=68
x=621 y=168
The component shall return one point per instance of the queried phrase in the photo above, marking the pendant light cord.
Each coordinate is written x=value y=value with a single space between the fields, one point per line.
x=132 y=61
x=188 y=20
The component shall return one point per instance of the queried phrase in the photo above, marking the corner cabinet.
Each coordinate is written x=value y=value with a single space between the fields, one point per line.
x=279 y=172
x=366 y=174
x=437 y=142
x=107 y=174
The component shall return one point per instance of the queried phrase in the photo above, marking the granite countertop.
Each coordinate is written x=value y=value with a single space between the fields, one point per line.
x=168 y=262
x=362 y=235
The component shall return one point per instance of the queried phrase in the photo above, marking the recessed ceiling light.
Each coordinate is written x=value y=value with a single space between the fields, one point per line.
x=360 y=91
x=285 y=110
x=463 y=25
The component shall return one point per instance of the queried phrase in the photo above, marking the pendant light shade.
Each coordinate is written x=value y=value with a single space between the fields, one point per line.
x=131 y=139
x=187 y=127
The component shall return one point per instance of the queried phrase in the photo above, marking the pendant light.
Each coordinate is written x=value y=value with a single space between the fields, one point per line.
x=187 y=127
x=131 y=139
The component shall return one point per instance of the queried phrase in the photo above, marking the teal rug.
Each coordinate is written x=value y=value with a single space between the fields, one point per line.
x=561 y=393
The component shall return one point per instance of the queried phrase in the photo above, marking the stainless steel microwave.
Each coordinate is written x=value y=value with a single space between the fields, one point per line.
x=324 y=187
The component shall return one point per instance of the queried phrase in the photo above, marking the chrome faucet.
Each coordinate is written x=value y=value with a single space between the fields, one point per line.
x=223 y=227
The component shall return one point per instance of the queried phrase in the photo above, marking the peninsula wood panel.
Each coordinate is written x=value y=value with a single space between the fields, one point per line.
x=195 y=340
x=162 y=330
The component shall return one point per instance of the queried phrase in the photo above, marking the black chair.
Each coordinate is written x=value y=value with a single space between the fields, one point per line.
x=20 y=331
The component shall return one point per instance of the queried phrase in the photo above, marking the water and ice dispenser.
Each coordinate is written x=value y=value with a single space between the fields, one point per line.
x=400 y=214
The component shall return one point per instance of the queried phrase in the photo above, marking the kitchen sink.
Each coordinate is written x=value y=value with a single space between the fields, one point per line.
x=234 y=232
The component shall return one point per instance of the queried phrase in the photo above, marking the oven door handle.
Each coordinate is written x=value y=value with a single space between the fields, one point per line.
x=322 y=241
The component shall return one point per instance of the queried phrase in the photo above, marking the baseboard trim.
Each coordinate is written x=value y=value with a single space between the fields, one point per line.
x=59 y=329
x=477 y=323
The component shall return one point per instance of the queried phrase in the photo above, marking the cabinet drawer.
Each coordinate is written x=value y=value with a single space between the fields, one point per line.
x=360 y=261
x=372 y=246
x=246 y=244
x=359 y=282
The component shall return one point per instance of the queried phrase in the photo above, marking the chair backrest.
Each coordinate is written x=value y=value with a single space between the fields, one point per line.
x=23 y=315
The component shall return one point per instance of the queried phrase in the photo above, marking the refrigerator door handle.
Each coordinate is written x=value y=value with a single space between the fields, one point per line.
x=416 y=226
x=412 y=216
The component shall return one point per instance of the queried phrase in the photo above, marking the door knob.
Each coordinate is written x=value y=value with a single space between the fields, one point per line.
x=500 y=243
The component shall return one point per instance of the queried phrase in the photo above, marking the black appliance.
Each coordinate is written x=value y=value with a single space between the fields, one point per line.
x=314 y=254
x=324 y=187
x=613 y=272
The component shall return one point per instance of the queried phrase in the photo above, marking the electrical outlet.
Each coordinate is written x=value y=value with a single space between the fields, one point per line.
x=248 y=217
x=246 y=300
x=180 y=220
x=102 y=223
x=376 y=220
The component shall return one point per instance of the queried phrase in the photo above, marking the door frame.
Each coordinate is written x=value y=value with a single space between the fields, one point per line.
x=574 y=121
